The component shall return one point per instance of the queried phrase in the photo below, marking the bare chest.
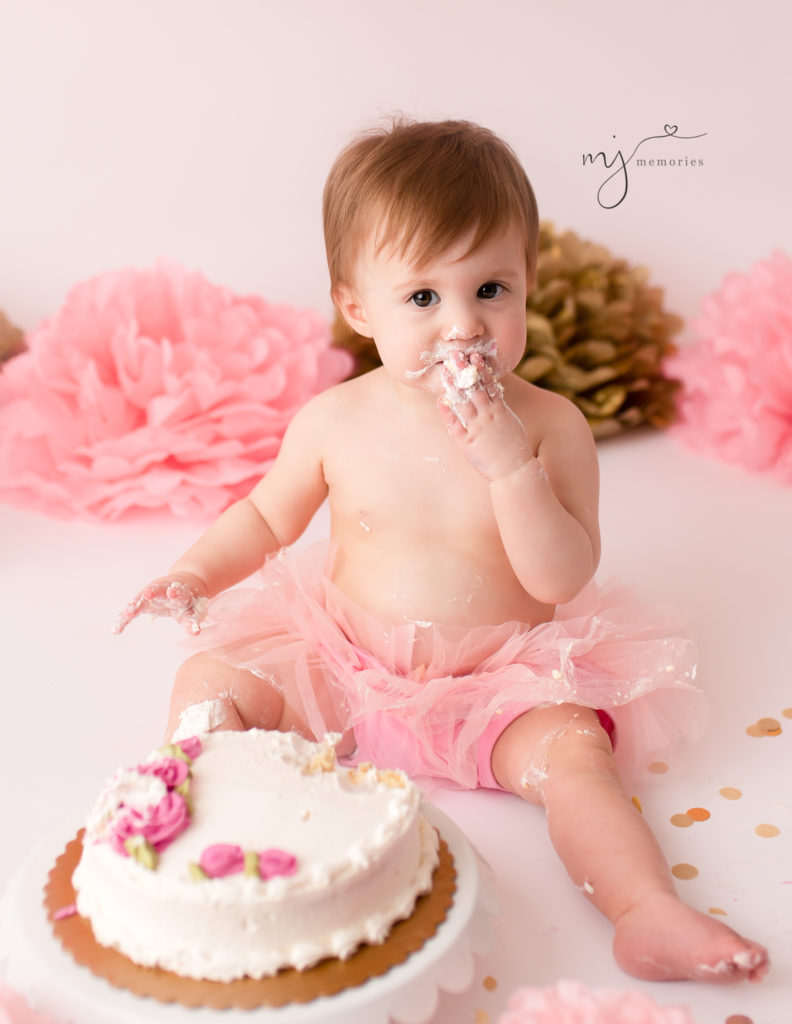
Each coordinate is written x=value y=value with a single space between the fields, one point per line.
x=418 y=487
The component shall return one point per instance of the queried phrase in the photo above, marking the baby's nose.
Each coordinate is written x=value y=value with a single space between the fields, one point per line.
x=467 y=332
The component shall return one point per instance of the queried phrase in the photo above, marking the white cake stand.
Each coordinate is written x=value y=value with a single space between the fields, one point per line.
x=35 y=964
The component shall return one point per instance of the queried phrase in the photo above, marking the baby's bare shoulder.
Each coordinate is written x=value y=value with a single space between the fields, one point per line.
x=344 y=397
x=331 y=405
x=543 y=411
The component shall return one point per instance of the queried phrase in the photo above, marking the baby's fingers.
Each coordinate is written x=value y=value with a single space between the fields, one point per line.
x=492 y=387
x=190 y=619
x=178 y=595
x=455 y=423
x=130 y=612
x=125 y=617
x=169 y=598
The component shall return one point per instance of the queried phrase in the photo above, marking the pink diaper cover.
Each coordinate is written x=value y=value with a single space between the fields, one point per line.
x=434 y=700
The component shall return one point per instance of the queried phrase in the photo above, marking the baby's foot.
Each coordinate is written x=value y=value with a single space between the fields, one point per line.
x=662 y=939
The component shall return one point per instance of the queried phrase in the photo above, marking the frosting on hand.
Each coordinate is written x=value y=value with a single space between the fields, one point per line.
x=171 y=598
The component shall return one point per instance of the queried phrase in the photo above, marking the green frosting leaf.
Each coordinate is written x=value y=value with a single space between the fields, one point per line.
x=174 y=750
x=141 y=850
x=252 y=864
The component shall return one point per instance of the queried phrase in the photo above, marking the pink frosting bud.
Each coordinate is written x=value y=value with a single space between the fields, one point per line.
x=276 y=862
x=222 y=859
x=191 y=746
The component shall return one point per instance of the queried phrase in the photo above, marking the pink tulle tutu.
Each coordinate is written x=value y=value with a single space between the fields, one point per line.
x=420 y=697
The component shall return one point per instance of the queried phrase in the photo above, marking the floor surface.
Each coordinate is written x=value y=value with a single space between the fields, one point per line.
x=78 y=702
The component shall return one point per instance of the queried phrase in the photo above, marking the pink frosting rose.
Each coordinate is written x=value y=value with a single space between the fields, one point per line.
x=222 y=859
x=171 y=770
x=159 y=824
x=569 y=1002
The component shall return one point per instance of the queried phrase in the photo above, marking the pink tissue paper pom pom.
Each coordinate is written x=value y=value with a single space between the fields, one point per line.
x=736 y=399
x=569 y=1002
x=16 y=1010
x=156 y=389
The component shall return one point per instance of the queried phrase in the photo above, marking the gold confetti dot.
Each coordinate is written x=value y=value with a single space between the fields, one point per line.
x=718 y=910
x=489 y=983
x=787 y=712
x=684 y=871
x=681 y=820
x=699 y=813
x=658 y=768
x=765 y=727
x=730 y=793
x=738 y=1018
x=767 y=831
x=482 y=1017
x=637 y=803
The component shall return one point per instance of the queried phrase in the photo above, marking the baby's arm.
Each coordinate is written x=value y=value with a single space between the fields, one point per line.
x=545 y=501
x=547 y=508
x=273 y=515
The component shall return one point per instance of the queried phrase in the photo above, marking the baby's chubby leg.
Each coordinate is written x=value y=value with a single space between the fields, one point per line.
x=561 y=757
x=210 y=694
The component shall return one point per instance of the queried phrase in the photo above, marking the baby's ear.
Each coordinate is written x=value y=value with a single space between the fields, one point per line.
x=348 y=305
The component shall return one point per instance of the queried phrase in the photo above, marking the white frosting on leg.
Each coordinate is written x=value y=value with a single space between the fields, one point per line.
x=200 y=719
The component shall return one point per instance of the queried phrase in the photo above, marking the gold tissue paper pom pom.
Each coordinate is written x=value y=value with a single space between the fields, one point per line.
x=596 y=332
x=12 y=339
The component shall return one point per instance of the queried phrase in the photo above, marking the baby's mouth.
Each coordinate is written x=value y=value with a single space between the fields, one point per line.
x=444 y=352
x=442 y=356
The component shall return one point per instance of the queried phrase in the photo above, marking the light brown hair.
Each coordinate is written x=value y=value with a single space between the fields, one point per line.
x=421 y=186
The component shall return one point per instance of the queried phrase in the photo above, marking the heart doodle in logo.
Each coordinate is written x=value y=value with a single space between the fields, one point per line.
x=670 y=129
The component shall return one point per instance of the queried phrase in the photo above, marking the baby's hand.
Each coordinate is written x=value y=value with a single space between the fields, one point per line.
x=181 y=597
x=489 y=434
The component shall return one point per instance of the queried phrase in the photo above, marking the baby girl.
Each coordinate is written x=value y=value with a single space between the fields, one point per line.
x=450 y=626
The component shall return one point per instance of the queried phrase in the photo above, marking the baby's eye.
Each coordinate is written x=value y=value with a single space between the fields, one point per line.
x=490 y=290
x=424 y=298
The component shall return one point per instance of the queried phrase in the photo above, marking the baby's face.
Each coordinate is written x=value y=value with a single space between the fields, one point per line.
x=468 y=303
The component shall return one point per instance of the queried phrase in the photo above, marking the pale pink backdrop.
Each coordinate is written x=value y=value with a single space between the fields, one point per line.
x=202 y=131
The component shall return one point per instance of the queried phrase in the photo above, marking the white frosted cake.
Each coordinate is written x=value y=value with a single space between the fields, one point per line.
x=241 y=853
